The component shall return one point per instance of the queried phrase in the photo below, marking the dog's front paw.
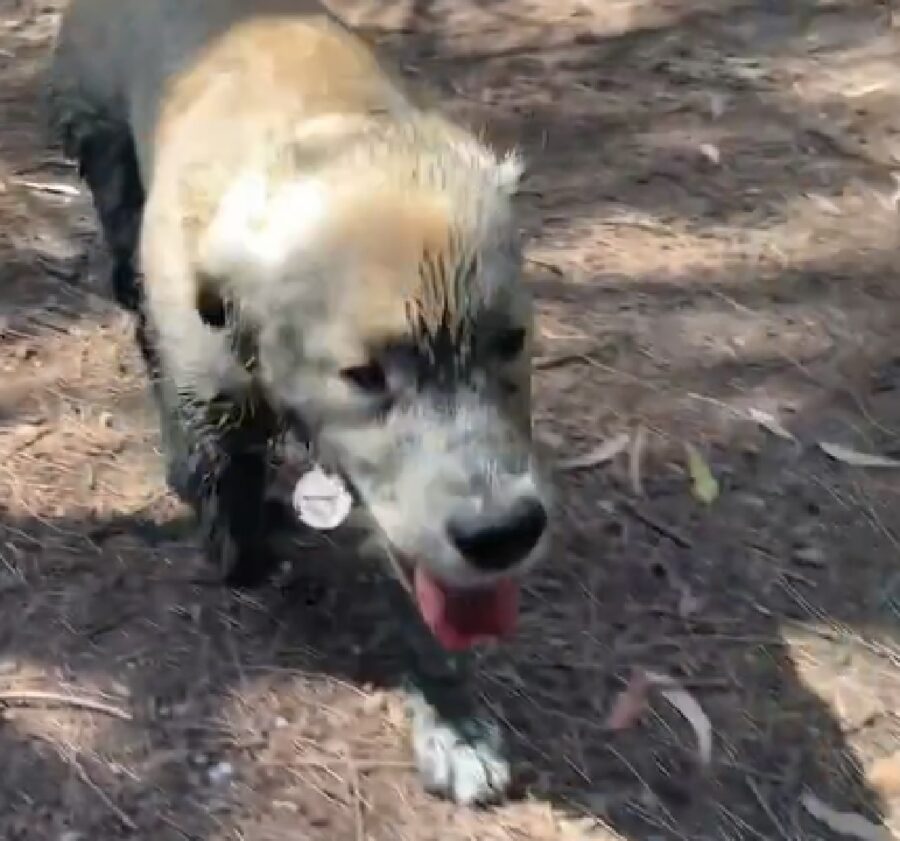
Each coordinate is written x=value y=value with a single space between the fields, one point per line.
x=462 y=759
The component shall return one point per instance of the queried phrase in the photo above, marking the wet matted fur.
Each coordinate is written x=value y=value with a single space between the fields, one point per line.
x=320 y=248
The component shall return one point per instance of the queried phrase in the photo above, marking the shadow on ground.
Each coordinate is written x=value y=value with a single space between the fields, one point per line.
x=250 y=703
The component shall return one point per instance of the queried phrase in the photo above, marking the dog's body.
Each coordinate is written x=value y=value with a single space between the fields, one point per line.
x=320 y=249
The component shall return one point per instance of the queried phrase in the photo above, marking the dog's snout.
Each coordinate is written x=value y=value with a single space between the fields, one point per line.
x=495 y=541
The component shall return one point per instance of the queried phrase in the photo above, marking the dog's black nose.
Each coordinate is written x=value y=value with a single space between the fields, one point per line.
x=497 y=540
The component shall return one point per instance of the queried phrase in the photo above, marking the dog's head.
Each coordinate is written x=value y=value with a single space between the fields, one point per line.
x=392 y=320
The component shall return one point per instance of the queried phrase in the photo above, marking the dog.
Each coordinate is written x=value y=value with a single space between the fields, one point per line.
x=307 y=243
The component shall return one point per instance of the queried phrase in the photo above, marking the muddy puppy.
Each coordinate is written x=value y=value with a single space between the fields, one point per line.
x=319 y=248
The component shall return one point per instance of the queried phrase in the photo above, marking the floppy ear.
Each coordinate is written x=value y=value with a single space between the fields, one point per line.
x=232 y=250
x=253 y=230
x=210 y=303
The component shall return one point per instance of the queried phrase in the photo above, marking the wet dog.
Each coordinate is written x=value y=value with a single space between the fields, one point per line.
x=320 y=248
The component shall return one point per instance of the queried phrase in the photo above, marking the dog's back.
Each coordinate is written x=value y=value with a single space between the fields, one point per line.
x=145 y=65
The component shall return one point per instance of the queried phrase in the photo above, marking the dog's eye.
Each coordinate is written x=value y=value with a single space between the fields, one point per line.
x=510 y=343
x=369 y=378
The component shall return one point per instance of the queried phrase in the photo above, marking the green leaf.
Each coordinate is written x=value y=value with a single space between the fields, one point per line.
x=704 y=487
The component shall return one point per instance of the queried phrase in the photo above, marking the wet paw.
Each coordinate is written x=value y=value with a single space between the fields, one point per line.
x=462 y=760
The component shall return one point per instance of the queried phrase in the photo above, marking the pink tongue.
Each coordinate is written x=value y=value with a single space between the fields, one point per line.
x=460 y=618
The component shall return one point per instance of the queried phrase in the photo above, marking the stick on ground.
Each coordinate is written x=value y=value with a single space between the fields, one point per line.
x=35 y=698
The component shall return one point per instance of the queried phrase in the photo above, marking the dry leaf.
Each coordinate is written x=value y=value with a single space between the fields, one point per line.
x=771 y=423
x=855 y=458
x=711 y=153
x=689 y=707
x=845 y=823
x=321 y=501
x=705 y=486
x=630 y=703
x=602 y=453
x=635 y=457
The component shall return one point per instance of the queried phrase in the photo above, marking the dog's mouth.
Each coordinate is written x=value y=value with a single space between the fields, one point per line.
x=459 y=617
x=462 y=617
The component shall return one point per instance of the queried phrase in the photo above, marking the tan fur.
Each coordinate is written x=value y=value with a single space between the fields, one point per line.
x=290 y=171
x=273 y=87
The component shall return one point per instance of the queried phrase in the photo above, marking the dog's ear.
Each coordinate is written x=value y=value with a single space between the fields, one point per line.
x=255 y=228
x=210 y=304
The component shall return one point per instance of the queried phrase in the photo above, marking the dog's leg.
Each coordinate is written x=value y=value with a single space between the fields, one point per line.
x=225 y=479
x=458 y=746
x=107 y=161
x=217 y=462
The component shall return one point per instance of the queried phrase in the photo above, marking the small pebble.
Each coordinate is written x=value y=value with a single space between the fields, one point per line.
x=809 y=556
x=221 y=773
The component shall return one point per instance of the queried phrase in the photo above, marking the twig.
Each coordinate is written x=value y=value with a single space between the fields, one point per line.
x=542 y=363
x=651 y=522
x=170 y=823
x=326 y=760
x=356 y=793
x=546 y=363
x=544 y=264
x=670 y=824
x=754 y=788
x=46 y=163
x=739 y=822
x=25 y=439
x=127 y=822
x=42 y=187
x=731 y=302
x=27 y=697
x=634 y=460
x=842 y=144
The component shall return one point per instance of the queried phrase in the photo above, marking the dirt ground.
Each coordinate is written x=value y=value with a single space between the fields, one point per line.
x=712 y=215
